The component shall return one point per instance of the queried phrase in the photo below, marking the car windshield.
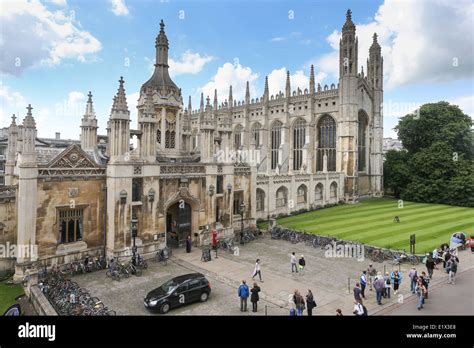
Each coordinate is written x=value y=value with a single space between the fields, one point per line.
x=169 y=286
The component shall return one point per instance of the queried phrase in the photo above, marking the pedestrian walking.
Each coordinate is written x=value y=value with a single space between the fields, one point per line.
x=426 y=281
x=371 y=272
x=420 y=292
x=413 y=275
x=430 y=266
x=294 y=267
x=396 y=280
x=254 y=298
x=379 y=286
x=388 y=285
x=363 y=283
x=243 y=293
x=357 y=293
x=189 y=243
x=299 y=302
x=301 y=264
x=257 y=270
x=453 y=268
x=310 y=302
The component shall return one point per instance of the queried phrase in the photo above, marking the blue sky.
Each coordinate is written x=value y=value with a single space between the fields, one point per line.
x=55 y=51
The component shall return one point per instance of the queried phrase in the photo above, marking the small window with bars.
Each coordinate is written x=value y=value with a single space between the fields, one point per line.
x=70 y=225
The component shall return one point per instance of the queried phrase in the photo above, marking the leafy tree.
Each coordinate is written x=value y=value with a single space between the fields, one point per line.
x=436 y=165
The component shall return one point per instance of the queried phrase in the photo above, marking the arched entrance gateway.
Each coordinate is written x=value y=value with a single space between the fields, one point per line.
x=178 y=224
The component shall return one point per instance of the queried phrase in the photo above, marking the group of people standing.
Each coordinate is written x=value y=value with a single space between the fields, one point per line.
x=298 y=304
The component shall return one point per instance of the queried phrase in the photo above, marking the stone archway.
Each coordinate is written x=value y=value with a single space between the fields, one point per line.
x=181 y=212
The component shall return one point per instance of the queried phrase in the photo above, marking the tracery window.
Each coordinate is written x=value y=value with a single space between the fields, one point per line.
x=326 y=143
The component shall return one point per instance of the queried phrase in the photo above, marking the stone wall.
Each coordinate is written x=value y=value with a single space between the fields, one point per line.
x=54 y=195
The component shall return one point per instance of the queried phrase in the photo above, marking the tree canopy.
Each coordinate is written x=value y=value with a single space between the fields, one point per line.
x=436 y=164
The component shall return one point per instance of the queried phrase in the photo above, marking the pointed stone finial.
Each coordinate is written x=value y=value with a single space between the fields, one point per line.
x=13 y=120
x=312 y=87
x=247 y=93
x=120 y=107
x=288 y=86
x=215 y=99
x=348 y=25
x=375 y=38
x=266 y=91
x=375 y=44
x=202 y=102
x=189 y=105
x=89 y=114
x=29 y=108
x=162 y=26
x=208 y=101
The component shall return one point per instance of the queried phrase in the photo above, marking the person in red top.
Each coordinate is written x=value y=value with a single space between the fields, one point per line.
x=214 y=239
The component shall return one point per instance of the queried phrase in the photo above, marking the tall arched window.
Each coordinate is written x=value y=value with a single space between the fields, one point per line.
x=256 y=134
x=282 y=197
x=362 y=142
x=260 y=200
x=326 y=143
x=301 y=196
x=170 y=134
x=238 y=137
x=276 y=142
x=299 y=137
x=318 y=192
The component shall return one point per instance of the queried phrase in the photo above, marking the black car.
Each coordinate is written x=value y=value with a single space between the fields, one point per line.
x=178 y=291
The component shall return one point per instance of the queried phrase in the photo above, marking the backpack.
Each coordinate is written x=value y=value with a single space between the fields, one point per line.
x=365 y=310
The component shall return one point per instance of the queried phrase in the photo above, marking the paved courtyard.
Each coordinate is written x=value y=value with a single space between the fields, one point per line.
x=329 y=279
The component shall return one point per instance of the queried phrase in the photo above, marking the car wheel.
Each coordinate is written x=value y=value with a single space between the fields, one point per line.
x=165 y=308
x=204 y=297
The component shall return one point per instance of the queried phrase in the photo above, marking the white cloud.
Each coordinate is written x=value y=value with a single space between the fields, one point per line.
x=230 y=74
x=189 y=63
x=277 y=80
x=278 y=39
x=119 y=8
x=132 y=101
x=11 y=102
x=422 y=42
x=33 y=35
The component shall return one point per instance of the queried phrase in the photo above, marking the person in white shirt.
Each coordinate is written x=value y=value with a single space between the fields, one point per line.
x=294 y=267
x=358 y=308
x=257 y=270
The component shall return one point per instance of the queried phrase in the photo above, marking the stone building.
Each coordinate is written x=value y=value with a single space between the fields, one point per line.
x=193 y=171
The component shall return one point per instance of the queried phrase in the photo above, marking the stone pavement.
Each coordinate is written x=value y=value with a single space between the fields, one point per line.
x=326 y=277
x=444 y=299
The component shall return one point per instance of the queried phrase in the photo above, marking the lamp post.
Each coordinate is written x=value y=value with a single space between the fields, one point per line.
x=134 y=228
x=242 y=210
x=211 y=193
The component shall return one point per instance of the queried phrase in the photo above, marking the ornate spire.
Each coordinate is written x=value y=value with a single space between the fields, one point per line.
x=348 y=25
x=231 y=98
x=266 y=90
x=312 y=88
x=89 y=107
x=29 y=121
x=201 y=106
x=247 y=93
x=215 y=100
x=13 y=120
x=120 y=108
x=149 y=106
x=161 y=45
x=288 y=86
x=375 y=47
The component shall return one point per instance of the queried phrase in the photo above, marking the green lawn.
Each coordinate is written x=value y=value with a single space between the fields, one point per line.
x=371 y=222
x=8 y=293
